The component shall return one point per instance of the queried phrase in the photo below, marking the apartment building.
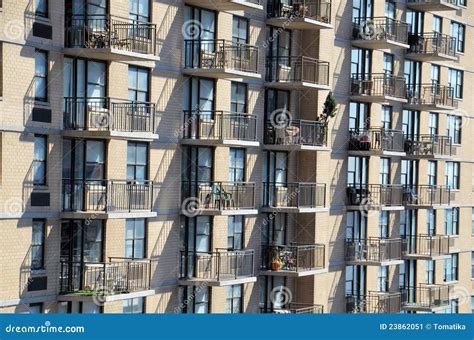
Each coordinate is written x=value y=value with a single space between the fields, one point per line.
x=183 y=156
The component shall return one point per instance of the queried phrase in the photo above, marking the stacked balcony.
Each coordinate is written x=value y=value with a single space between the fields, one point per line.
x=297 y=135
x=427 y=196
x=377 y=141
x=430 y=146
x=427 y=97
x=376 y=196
x=374 y=303
x=427 y=247
x=430 y=47
x=229 y=5
x=433 y=5
x=427 y=298
x=220 y=268
x=295 y=308
x=220 y=59
x=293 y=260
x=300 y=14
x=378 y=88
x=380 y=33
x=294 y=197
x=374 y=251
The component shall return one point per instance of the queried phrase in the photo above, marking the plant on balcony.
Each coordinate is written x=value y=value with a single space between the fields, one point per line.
x=329 y=109
x=275 y=261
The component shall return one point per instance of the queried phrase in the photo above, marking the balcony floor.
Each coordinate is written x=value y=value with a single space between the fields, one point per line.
x=299 y=24
x=220 y=73
x=220 y=142
x=288 y=273
x=230 y=212
x=378 y=99
x=226 y=5
x=376 y=263
x=215 y=283
x=292 y=210
x=386 y=44
x=297 y=85
x=428 y=107
x=139 y=136
x=296 y=148
x=425 y=257
x=77 y=297
x=376 y=207
x=414 y=307
x=377 y=153
x=113 y=54
x=428 y=57
x=102 y=215
x=433 y=7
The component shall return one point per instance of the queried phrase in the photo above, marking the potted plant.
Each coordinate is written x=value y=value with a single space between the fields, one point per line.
x=276 y=262
x=329 y=108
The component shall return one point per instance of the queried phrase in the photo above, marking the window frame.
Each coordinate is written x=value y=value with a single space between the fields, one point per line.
x=42 y=162
x=458 y=86
x=45 y=13
x=40 y=76
x=452 y=174
x=41 y=245
x=458 y=31
x=136 y=239
x=232 y=299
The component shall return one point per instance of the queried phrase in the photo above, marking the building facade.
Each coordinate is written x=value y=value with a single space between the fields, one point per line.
x=236 y=156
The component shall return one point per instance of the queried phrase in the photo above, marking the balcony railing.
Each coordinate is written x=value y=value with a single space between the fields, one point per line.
x=431 y=95
x=296 y=133
x=105 y=31
x=370 y=195
x=432 y=44
x=436 y=3
x=318 y=10
x=376 y=140
x=294 y=195
x=380 y=29
x=295 y=308
x=118 y=276
x=220 y=55
x=429 y=146
x=219 y=196
x=293 y=258
x=222 y=265
x=219 y=126
x=108 y=114
x=427 y=195
x=426 y=245
x=296 y=70
x=373 y=249
x=378 y=85
x=426 y=296
x=107 y=195
x=374 y=303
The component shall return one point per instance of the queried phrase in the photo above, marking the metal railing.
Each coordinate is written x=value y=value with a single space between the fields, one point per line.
x=432 y=43
x=431 y=94
x=118 y=276
x=427 y=195
x=380 y=29
x=373 y=249
x=297 y=69
x=105 y=31
x=378 y=85
x=220 y=265
x=219 y=195
x=220 y=55
x=429 y=145
x=426 y=245
x=107 y=195
x=375 y=195
x=294 y=308
x=297 y=132
x=219 y=125
x=294 y=195
x=376 y=139
x=293 y=258
x=374 y=303
x=108 y=114
x=426 y=296
x=319 y=10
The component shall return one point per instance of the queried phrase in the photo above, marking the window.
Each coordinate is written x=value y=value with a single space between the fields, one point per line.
x=472 y=265
x=456 y=78
x=451 y=221
x=194 y=299
x=435 y=75
x=35 y=308
x=462 y=3
x=432 y=173
x=238 y=99
x=234 y=299
x=453 y=128
x=458 y=32
x=430 y=271
x=95 y=159
x=452 y=175
x=382 y=279
x=384 y=171
x=138 y=84
x=41 y=8
x=415 y=21
x=390 y=9
x=139 y=10
x=137 y=161
x=41 y=76
x=359 y=116
x=39 y=161
x=383 y=224
x=237 y=165
x=135 y=236
x=239 y=30
x=472 y=221
x=134 y=306
x=451 y=268
x=386 y=117
x=437 y=24
x=431 y=222
x=472 y=304
x=388 y=63
x=402 y=275
x=235 y=233
x=361 y=61
x=433 y=124
x=37 y=244
x=275 y=231
x=453 y=307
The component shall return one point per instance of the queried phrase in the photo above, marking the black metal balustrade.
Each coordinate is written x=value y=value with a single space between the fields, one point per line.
x=294 y=195
x=219 y=126
x=374 y=303
x=432 y=44
x=426 y=245
x=380 y=29
x=294 y=308
x=318 y=10
x=378 y=85
x=429 y=146
x=105 y=31
x=427 y=195
x=221 y=265
x=373 y=249
x=108 y=114
x=375 y=195
x=376 y=140
x=293 y=258
x=431 y=95
x=297 y=70
x=425 y=296
x=220 y=55
x=118 y=276
x=296 y=133
x=107 y=195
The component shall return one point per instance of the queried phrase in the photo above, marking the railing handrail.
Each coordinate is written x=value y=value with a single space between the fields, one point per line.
x=302 y=58
x=110 y=17
x=199 y=112
x=221 y=43
x=380 y=18
x=375 y=76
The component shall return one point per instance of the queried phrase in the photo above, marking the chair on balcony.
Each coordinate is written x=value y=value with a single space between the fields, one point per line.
x=221 y=198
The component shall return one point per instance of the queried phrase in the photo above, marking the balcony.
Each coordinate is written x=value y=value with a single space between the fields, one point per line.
x=379 y=141
x=297 y=135
x=219 y=198
x=300 y=14
x=220 y=59
x=433 y=5
x=86 y=280
x=374 y=251
x=295 y=308
x=220 y=268
x=376 y=196
x=430 y=146
x=294 y=197
x=219 y=128
x=425 y=298
x=106 y=37
x=109 y=118
x=108 y=198
x=228 y=5
x=426 y=247
x=380 y=33
x=374 y=303
x=293 y=260
x=297 y=73
x=428 y=97
x=378 y=88
x=427 y=196
x=432 y=47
